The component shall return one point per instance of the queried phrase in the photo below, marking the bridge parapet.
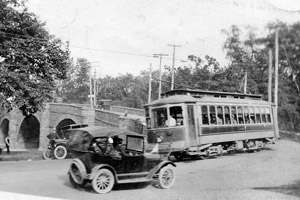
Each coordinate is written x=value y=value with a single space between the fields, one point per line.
x=132 y=111
x=107 y=118
x=66 y=109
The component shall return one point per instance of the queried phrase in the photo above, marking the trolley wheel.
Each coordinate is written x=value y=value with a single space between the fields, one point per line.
x=60 y=152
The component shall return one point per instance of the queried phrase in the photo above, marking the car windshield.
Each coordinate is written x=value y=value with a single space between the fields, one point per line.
x=135 y=143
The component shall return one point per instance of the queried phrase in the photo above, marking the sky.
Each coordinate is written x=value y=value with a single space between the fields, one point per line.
x=121 y=36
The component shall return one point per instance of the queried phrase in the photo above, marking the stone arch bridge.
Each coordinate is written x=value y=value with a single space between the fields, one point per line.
x=30 y=132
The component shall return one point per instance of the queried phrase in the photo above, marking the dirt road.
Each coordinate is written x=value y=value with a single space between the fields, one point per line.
x=269 y=174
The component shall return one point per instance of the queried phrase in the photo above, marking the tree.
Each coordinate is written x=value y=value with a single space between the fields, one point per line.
x=75 y=89
x=251 y=55
x=125 y=90
x=32 y=59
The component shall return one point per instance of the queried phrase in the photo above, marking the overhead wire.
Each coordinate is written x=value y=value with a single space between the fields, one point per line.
x=45 y=41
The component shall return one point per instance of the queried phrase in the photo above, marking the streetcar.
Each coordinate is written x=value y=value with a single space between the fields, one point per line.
x=202 y=124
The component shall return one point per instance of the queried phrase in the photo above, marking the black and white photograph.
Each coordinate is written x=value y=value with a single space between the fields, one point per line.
x=150 y=99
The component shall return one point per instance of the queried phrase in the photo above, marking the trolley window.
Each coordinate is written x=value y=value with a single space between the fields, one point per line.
x=159 y=117
x=233 y=115
x=176 y=113
x=268 y=115
x=240 y=115
x=246 y=114
x=252 y=115
x=204 y=115
x=227 y=115
x=263 y=115
x=220 y=118
x=257 y=114
x=212 y=115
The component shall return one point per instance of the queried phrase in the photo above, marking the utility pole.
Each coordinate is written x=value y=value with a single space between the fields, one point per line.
x=173 y=65
x=276 y=86
x=150 y=86
x=245 y=83
x=95 y=92
x=160 y=55
x=270 y=76
x=91 y=90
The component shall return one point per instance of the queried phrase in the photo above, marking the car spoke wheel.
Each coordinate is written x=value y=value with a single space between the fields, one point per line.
x=47 y=154
x=77 y=173
x=103 y=181
x=60 y=152
x=166 y=178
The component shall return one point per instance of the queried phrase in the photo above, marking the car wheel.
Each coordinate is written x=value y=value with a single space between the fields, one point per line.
x=166 y=177
x=60 y=152
x=77 y=173
x=47 y=154
x=103 y=181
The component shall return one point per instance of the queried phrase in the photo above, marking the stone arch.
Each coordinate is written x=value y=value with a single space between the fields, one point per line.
x=63 y=123
x=4 y=128
x=29 y=133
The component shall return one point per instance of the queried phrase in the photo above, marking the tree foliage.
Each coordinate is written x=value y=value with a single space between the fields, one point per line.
x=251 y=55
x=32 y=60
x=75 y=88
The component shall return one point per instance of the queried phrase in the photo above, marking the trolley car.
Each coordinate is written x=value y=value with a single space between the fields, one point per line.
x=202 y=124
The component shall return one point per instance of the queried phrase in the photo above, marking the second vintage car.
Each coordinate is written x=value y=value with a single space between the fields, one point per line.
x=109 y=156
x=57 y=146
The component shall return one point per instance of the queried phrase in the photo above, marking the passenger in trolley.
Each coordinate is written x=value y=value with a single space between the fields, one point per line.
x=171 y=121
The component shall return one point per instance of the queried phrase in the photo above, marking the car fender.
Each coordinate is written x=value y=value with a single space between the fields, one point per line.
x=157 y=168
x=61 y=144
x=98 y=167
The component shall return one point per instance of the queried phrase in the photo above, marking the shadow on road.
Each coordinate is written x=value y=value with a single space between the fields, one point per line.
x=88 y=186
x=290 y=189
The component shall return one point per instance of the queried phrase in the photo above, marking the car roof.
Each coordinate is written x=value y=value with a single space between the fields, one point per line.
x=100 y=131
x=73 y=126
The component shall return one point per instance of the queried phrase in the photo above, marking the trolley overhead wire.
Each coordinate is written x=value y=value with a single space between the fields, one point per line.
x=45 y=41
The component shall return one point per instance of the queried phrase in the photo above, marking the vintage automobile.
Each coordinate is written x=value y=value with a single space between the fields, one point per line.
x=57 y=147
x=109 y=156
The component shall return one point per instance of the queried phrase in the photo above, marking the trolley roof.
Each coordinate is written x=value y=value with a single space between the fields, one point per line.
x=209 y=97
x=215 y=94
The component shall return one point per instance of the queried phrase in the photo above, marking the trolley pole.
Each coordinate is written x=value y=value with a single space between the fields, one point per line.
x=150 y=77
x=173 y=64
x=160 y=59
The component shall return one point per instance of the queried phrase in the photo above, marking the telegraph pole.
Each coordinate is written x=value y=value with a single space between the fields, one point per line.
x=173 y=65
x=160 y=55
x=91 y=90
x=95 y=92
x=150 y=86
x=276 y=86
x=270 y=76
x=245 y=83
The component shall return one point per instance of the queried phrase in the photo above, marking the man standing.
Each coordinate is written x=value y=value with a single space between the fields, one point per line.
x=7 y=144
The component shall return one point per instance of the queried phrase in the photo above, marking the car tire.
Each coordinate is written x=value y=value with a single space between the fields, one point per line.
x=166 y=177
x=77 y=173
x=60 y=152
x=47 y=154
x=103 y=181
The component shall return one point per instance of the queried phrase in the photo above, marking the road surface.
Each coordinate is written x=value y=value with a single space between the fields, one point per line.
x=269 y=174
